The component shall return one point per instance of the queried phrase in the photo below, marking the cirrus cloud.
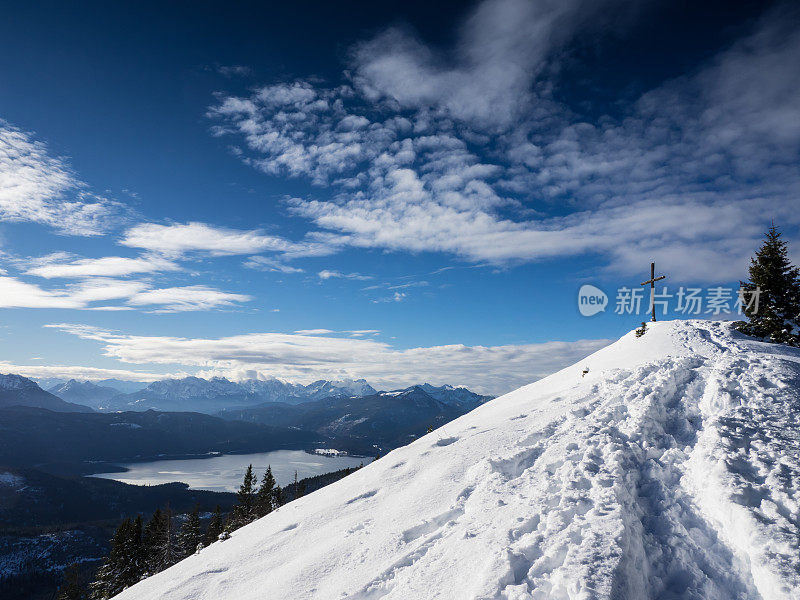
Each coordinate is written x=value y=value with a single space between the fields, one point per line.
x=39 y=188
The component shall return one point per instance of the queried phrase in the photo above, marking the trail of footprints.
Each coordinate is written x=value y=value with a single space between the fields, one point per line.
x=595 y=503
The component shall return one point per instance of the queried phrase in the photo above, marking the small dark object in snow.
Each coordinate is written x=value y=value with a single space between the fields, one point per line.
x=641 y=330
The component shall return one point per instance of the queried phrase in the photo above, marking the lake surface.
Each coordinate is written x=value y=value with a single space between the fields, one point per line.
x=225 y=473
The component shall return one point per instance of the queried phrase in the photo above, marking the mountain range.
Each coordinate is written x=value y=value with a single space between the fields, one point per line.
x=381 y=420
x=348 y=415
x=204 y=395
x=220 y=394
x=16 y=390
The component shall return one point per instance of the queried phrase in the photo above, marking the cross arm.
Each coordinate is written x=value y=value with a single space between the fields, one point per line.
x=653 y=280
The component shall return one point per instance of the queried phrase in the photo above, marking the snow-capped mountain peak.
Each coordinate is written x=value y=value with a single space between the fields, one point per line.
x=12 y=381
x=671 y=469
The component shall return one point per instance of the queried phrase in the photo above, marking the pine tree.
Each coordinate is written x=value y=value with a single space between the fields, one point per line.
x=245 y=510
x=160 y=542
x=190 y=537
x=169 y=552
x=71 y=588
x=776 y=315
x=121 y=568
x=215 y=526
x=137 y=559
x=151 y=540
x=266 y=501
x=295 y=489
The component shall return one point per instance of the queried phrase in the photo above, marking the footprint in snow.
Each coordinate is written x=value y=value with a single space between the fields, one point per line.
x=446 y=441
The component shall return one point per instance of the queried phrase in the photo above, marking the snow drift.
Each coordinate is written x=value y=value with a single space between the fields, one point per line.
x=670 y=470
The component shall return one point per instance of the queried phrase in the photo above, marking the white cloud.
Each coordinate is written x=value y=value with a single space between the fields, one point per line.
x=364 y=332
x=107 y=266
x=17 y=294
x=103 y=289
x=82 y=373
x=309 y=356
x=83 y=295
x=178 y=239
x=489 y=75
x=396 y=297
x=326 y=274
x=264 y=263
x=314 y=331
x=680 y=176
x=234 y=70
x=39 y=188
x=189 y=298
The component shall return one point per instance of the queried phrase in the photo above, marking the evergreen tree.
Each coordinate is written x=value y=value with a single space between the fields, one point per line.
x=771 y=299
x=151 y=540
x=121 y=569
x=215 y=526
x=71 y=588
x=245 y=510
x=160 y=542
x=266 y=501
x=137 y=558
x=190 y=537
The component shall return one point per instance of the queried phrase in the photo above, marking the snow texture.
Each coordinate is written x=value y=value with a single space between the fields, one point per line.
x=669 y=471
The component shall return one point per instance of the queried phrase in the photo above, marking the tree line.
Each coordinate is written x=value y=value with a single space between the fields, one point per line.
x=139 y=549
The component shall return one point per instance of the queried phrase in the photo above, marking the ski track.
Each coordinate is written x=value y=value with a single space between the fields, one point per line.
x=674 y=479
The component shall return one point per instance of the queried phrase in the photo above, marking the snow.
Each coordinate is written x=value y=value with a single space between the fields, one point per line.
x=11 y=480
x=329 y=452
x=12 y=381
x=670 y=470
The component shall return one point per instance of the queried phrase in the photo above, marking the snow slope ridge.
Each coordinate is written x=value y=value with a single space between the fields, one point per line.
x=671 y=470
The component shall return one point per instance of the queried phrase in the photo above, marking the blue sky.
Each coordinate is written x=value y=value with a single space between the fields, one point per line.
x=396 y=191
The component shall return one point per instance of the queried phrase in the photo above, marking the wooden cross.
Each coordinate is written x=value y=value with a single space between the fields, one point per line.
x=652 y=282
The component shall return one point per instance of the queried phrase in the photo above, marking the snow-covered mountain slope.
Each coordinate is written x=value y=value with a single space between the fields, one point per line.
x=16 y=390
x=85 y=392
x=670 y=470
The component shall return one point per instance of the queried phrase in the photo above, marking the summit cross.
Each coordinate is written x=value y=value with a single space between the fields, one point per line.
x=652 y=282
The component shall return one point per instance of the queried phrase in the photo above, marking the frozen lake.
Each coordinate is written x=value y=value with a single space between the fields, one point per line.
x=224 y=473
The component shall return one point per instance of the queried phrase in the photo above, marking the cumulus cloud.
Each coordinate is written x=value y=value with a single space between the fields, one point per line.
x=308 y=355
x=464 y=151
x=40 y=188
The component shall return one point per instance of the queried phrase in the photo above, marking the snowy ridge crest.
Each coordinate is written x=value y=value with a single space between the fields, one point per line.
x=670 y=470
